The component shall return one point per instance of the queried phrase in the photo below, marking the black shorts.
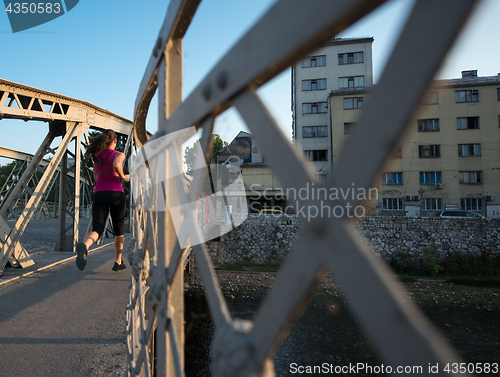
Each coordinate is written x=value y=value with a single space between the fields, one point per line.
x=104 y=203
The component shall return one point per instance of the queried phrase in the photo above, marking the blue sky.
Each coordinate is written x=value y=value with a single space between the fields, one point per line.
x=98 y=53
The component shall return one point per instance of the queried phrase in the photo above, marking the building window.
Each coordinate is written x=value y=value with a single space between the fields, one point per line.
x=316 y=155
x=353 y=103
x=427 y=151
x=314 y=131
x=430 y=99
x=397 y=152
x=471 y=177
x=466 y=96
x=392 y=178
x=428 y=178
x=428 y=125
x=321 y=178
x=392 y=203
x=431 y=204
x=349 y=128
x=472 y=204
x=465 y=150
x=351 y=58
x=468 y=123
x=314 y=108
x=352 y=82
x=314 y=61
x=498 y=94
x=317 y=84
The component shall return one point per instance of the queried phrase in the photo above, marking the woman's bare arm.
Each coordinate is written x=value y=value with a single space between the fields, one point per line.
x=118 y=166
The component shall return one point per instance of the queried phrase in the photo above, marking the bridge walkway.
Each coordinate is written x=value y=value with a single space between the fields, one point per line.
x=60 y=321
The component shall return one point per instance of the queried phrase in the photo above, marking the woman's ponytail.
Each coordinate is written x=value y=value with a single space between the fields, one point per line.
x=98 y=143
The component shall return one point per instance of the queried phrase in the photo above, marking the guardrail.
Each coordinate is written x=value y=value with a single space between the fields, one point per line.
x=401 y=335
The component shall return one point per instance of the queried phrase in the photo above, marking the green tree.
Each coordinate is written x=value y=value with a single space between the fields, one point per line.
x=5 y=172
x=190 y=155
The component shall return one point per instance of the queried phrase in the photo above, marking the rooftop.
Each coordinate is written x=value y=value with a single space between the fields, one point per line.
x=340 y=41
x=469 y=78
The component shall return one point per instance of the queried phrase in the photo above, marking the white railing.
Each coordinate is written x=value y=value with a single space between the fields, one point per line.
x=287 y=32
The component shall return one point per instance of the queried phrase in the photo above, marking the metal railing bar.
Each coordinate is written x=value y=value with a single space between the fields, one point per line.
x=288 y=162
x=152 y=321
x=177 y=20
x=400 y=333
x=175 y=261
x=143 y=356
x=297 y=276
x=216 y=303
x=387 y=113
x=201 y=174
x=175 y=349
x=182 y=197
x=256 y=58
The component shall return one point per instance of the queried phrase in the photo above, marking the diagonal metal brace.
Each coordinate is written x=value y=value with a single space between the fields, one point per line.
x=9 y=247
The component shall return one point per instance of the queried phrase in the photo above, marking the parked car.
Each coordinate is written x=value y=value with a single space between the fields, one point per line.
x=271 y=211
x=459 y=214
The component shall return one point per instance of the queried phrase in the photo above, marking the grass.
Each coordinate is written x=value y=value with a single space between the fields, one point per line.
x=475 y=282
x=406 y=279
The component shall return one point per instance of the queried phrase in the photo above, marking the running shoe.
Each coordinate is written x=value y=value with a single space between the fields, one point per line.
x=119 y=267
x=81 y=259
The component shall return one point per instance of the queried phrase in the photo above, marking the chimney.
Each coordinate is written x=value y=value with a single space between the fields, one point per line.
x=469 y=74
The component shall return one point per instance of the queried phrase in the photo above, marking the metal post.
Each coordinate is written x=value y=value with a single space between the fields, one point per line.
x=76 y=210
x=63 y=180
x=169 y=97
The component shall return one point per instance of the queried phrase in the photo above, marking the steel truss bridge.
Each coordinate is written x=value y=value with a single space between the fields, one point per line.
x=33 y=177
x=398 y=330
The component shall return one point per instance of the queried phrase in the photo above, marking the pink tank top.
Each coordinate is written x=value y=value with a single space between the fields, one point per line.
x=107 y=178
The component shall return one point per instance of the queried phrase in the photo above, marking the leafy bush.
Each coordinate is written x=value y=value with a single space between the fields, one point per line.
x=429 y=263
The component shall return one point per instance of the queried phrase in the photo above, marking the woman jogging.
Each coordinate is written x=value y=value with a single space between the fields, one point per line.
x=108 y=196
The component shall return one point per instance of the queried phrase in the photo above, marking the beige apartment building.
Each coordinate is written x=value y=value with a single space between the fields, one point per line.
x=449 y=155
x=343 y=63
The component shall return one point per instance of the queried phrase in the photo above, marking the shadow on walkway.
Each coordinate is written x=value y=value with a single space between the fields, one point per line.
x=65 y=322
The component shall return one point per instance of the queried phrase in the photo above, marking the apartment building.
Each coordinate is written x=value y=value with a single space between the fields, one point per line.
x=340 y=64
x=449 y=155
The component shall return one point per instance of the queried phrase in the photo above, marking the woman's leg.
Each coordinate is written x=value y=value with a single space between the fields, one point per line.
x=91 y=238
x=99 y=215
x=118 y=212
x=119 y=248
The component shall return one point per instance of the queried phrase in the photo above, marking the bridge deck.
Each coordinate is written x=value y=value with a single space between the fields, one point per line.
x=60 y=321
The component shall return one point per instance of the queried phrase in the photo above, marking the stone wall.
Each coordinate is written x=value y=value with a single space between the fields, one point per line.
x=261 y=240
x=267 y=239
x=391 y=235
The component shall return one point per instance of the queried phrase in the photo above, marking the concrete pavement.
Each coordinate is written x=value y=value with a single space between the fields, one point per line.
x=61 y=321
